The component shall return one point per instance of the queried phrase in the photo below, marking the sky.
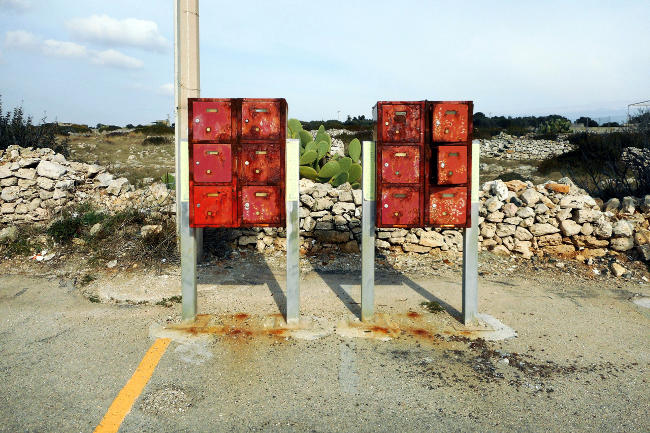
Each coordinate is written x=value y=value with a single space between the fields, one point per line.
x=112 y=62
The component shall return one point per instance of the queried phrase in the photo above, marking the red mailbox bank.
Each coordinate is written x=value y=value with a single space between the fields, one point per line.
x=236 y=155
x=424 y=151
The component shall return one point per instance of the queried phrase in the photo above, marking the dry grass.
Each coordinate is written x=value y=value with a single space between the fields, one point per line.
x=152 y=161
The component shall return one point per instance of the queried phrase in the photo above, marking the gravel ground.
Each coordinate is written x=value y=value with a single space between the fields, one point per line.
x=579 y=363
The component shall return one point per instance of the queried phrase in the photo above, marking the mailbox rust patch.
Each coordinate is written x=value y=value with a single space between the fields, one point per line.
x=452 y=165
x=448 y=206
x=261 y=120
x=402 y=122
x=211 y=121
x=400 y=164
x=450 y=122
x=212 y=162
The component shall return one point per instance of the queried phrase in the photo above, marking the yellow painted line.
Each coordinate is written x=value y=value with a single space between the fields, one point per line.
x=124 y=401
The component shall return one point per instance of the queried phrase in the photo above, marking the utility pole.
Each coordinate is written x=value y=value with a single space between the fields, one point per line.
x=187 y=80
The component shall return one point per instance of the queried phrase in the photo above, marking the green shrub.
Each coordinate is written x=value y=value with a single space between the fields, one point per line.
x=156 y=140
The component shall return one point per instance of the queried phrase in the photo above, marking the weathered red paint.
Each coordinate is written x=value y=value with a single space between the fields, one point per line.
x=261 y=120
x=399 y=206
x=452 y=165
x=260 y=163
x=261 y=205
x=401 y=122
x=400 y=164
x=230 y=157
x=213 y=206
x=212 y=162
x=448 y=206
x=450 y=122
x=211 y=121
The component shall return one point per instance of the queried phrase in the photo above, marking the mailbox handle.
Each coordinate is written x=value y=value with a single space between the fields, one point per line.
x=452 y=112
x=400 y=113
x=261 y=194
x=399 y=195
x=448 y=195
x=211 y=110
x=261 y=110
x=212 y=152
x=453 y=154
x=260 y=152
x=213 y=194
x=400 y=154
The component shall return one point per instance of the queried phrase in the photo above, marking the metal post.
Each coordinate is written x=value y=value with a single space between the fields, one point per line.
x=292 y=188
x=186 y=70
x=470 y=246
x=368 y=233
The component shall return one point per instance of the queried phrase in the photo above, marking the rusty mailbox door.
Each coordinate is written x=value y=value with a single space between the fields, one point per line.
x=400 y=164
x=448 y=206
x=452 y=165
x=212 y=162
x=401 y=122
x=262 y=119
x=260 y=163
x=400 y=207
x=213 y=206
x=261 y=205
x=450 y=122
x=211 y=120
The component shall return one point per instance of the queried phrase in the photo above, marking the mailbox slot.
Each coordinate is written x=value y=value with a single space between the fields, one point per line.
x=260 y=164
x=212 y=162
x=213 y=206
x=261 y=120
x=400 y=164
x=450 y=122
x=451 y=165
x=401 y=123
x=261 y=205
x=400 y=206
x=447 y=206
x=211 y=121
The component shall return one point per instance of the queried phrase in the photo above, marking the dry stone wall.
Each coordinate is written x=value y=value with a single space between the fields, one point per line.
x=516 y=218
x=36 y=184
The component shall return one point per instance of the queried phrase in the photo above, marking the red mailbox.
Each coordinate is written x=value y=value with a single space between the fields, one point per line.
x=237 y=151
x=400 y=137
x=423 y=151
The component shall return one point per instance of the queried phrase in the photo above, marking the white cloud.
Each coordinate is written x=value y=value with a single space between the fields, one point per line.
x=15 y=5
x=129 y=32
x=55 y=48
x=166 y=89
x=21 y=39
x=116 y=59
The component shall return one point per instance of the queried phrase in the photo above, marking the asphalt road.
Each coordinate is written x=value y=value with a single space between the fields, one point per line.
x=580 y=363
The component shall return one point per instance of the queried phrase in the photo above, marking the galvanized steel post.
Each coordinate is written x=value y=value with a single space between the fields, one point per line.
x=292 y=188
x=470 y=246
x=186 y=71
x=368 y=212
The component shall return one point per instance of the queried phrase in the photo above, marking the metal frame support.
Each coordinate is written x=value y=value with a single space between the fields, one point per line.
x=292 y=197
x=470 y=247
x=186 y=71
x=368 y=216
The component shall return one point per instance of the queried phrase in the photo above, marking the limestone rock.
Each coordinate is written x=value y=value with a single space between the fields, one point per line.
x=617 y=269
x=432 y=239
x=622 y=228
x=117 y=186
x=50 y=169
x=148 y=230
x=10 y=193
x=570 y=227
x=530 y=197
x=621 y=244
x=9 y=234
x=543 y=229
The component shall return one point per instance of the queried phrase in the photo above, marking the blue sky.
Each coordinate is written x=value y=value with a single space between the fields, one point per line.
x=112 y=61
